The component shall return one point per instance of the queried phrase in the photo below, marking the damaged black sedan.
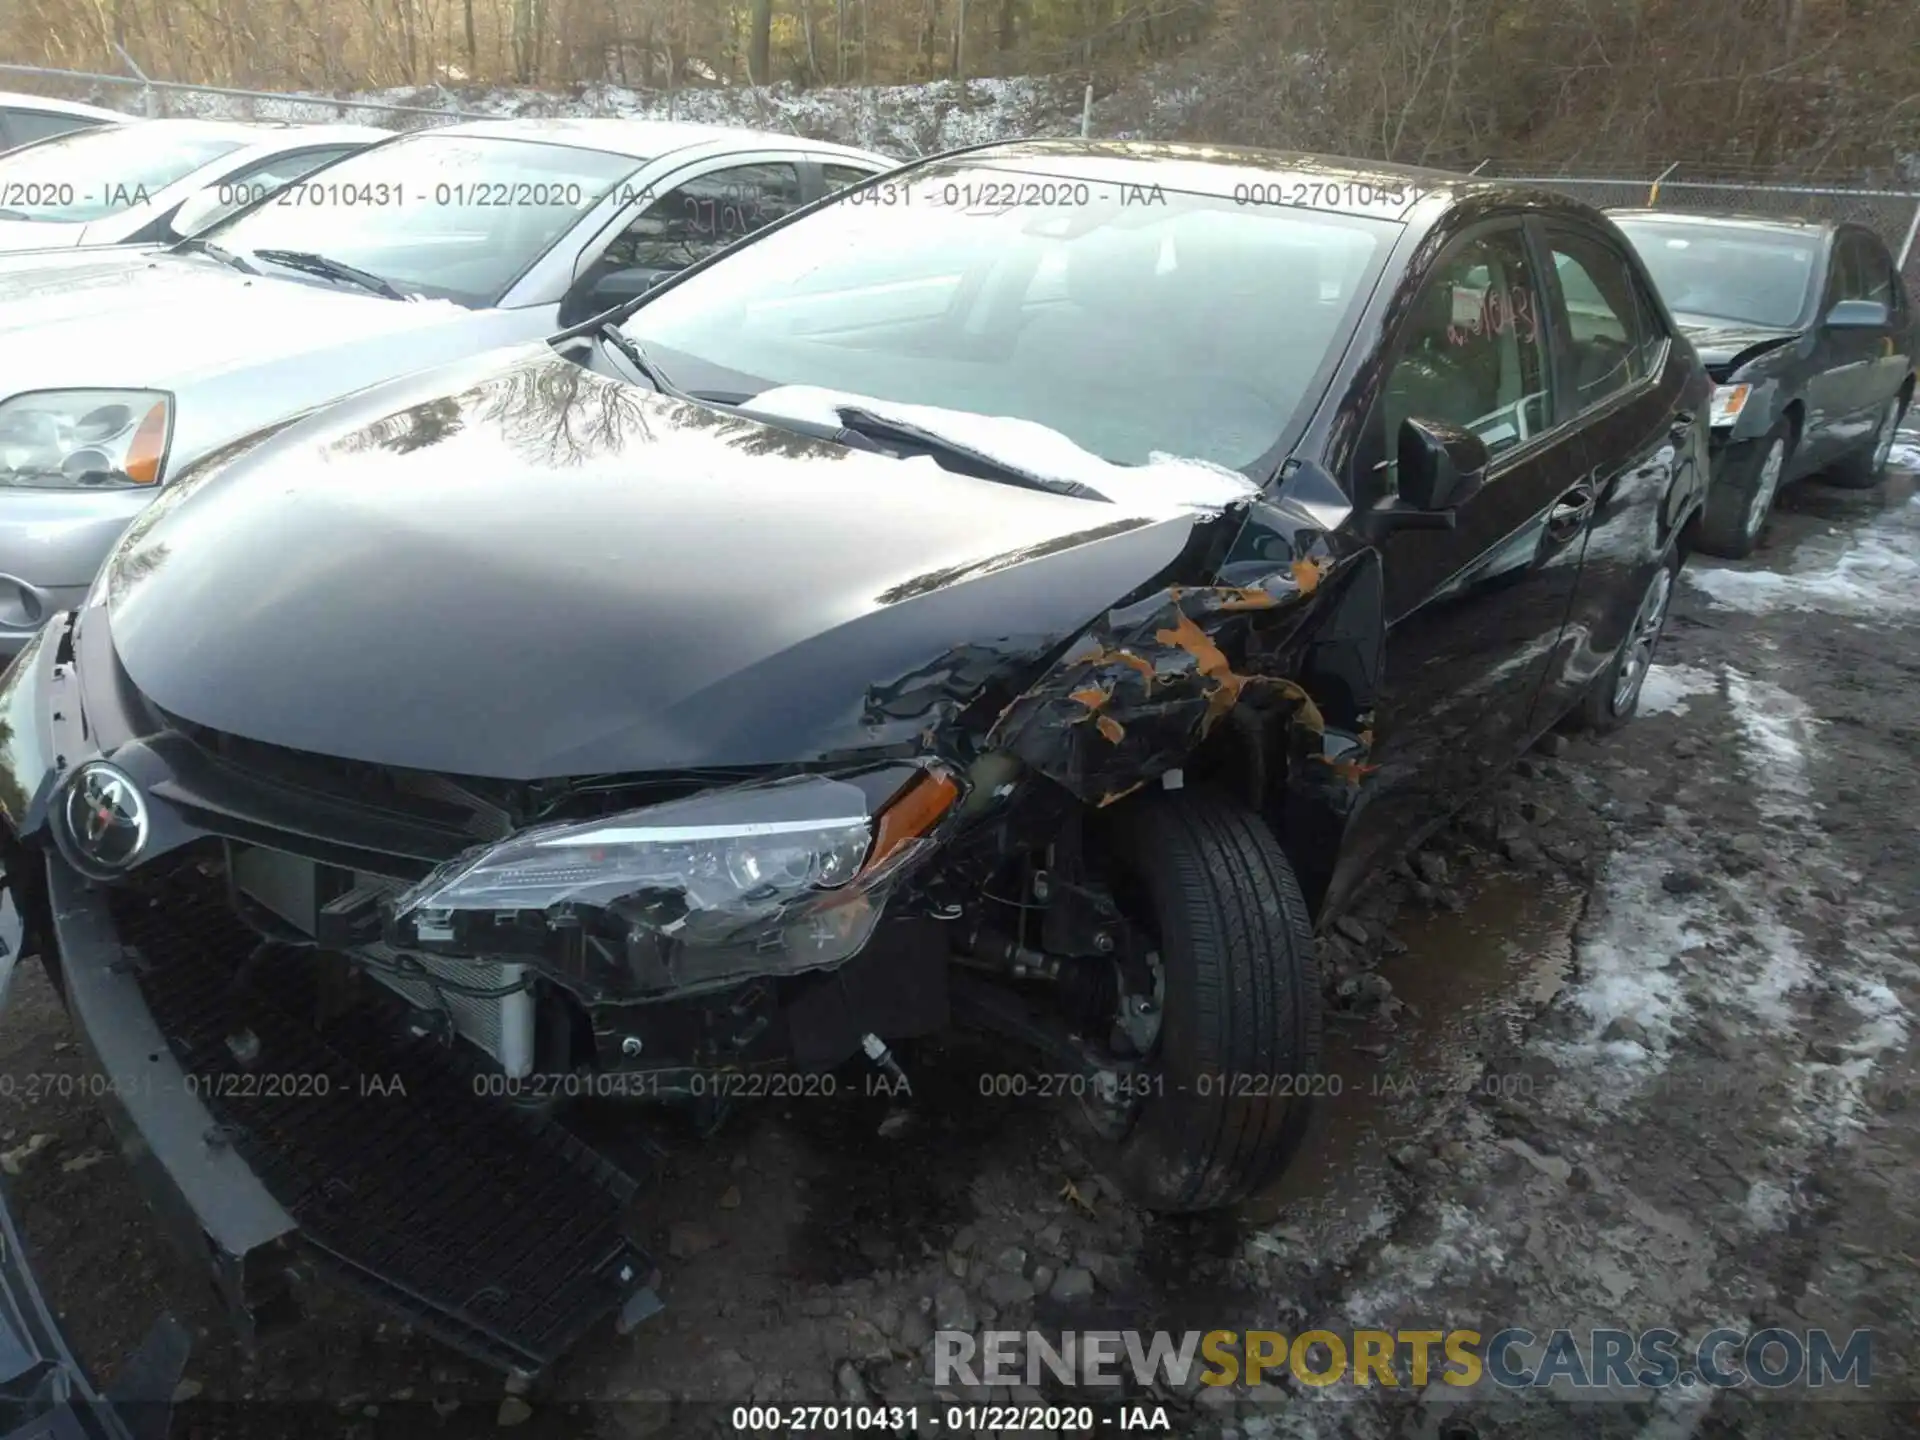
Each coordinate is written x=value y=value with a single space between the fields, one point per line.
x=1028 y=591
x=1812 y=342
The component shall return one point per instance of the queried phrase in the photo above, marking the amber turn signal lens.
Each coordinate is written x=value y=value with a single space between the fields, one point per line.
x=148 y=446
x=912 y=813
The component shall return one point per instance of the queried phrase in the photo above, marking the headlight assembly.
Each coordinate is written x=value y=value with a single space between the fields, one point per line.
x=1728 y=402
x=84 y=439
x=758 y=879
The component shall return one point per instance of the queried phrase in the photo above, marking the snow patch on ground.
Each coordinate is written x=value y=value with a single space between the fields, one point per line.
x=1833 y=1089
x=1776 y=728
x=1873 y=573
x=1463 y=1242
x=1647 y=958
x=1783 y=970
x=1630 y=994
x=1667 y=687
x=1769 y=1206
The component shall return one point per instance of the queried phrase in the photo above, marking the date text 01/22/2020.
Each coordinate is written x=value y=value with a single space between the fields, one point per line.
x=1142 y=1085
x=1135 y=1419
x=1060 y=194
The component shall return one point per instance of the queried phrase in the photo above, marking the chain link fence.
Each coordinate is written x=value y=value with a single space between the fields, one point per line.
x=1892 y=214
x=171 y=99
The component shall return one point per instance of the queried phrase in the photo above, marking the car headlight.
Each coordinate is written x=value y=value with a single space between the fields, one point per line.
x=84 y=439
x=758 y=879
x=1728 y=402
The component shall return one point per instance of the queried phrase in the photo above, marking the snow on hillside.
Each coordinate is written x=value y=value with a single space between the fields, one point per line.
x=901 y=120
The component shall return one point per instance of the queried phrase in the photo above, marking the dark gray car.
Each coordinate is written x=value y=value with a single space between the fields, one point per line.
x=1810 y=338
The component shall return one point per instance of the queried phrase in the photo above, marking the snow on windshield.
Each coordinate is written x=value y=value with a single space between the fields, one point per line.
x=1166 y=484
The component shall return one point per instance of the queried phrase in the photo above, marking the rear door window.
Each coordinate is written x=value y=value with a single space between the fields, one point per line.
x=839 y=177
x=705 y=214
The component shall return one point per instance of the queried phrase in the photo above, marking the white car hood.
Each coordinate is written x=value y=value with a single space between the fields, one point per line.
x=141 y=316
x=40 y=234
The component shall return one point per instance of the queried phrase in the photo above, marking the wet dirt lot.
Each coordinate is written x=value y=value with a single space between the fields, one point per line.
x=1629 y=1044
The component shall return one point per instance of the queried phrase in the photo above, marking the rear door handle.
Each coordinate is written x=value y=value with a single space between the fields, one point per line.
x=1571 y=512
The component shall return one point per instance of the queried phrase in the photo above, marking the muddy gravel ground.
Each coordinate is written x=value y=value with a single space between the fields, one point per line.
x=1628 y=1044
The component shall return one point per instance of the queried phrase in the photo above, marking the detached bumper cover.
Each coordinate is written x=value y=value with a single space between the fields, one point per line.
x=45 y=1391
x=340 y=1148
x=341 y=1151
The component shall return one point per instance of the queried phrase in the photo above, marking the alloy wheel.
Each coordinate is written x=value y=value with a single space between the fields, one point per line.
x=1638 y=658
x=1766 y=486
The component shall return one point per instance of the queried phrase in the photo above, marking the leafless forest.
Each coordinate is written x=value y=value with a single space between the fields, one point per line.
x=1808 y=87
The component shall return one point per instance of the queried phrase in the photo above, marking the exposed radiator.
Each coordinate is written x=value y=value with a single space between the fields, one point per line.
x=503 y=1026
x=500 y=1025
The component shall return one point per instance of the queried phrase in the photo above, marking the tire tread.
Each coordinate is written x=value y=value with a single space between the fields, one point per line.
x=1226 y=890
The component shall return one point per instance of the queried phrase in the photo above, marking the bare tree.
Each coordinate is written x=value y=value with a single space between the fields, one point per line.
x=759 y=44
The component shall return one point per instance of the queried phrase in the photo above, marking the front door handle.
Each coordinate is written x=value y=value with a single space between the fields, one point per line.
x=1571 y=512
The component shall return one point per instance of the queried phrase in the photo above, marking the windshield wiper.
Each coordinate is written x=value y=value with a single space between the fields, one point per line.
x=948 y=454
x=629 y=347
x=193 y=245
x=605 y=327
x=330 y=269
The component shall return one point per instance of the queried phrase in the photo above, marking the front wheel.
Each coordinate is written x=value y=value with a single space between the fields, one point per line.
x=1615 y=694
x=1741 y=495
x=1234 y=1064
x=1866 y=467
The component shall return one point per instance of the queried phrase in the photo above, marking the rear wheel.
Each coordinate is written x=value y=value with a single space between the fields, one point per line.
x=1615 y=694
x=1867 y=466
x=1742 y=495
x=1226 y=1090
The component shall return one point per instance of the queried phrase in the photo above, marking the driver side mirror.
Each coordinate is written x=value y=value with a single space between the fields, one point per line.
x=600 y=290
x=1440 y=465
x=1858 y=315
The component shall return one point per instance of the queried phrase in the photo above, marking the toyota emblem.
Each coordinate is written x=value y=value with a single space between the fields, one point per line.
x=106 y=819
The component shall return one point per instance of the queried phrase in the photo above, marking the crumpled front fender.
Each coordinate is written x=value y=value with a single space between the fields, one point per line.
x=1143 y=686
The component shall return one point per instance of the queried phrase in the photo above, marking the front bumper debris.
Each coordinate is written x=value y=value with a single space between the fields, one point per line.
x=342 y=1152
x=46 y=1392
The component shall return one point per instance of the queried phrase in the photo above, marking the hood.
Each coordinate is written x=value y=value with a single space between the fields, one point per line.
x=22 y=235
x=539 y=572
x=1726 y=342
x=148 y=317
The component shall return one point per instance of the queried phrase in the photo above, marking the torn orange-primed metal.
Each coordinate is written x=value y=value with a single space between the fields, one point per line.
x=1092 y=697
x=1308 y=574
x=1155 y=678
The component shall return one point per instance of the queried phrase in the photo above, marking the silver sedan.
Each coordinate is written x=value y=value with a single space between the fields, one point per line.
x=121 y=368
x=122 y=184
x=26 y=118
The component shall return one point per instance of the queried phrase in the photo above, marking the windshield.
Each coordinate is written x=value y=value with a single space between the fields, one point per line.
x=456 y=217
x=90 y=174
x=1720 y=272
x=1133 y=322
